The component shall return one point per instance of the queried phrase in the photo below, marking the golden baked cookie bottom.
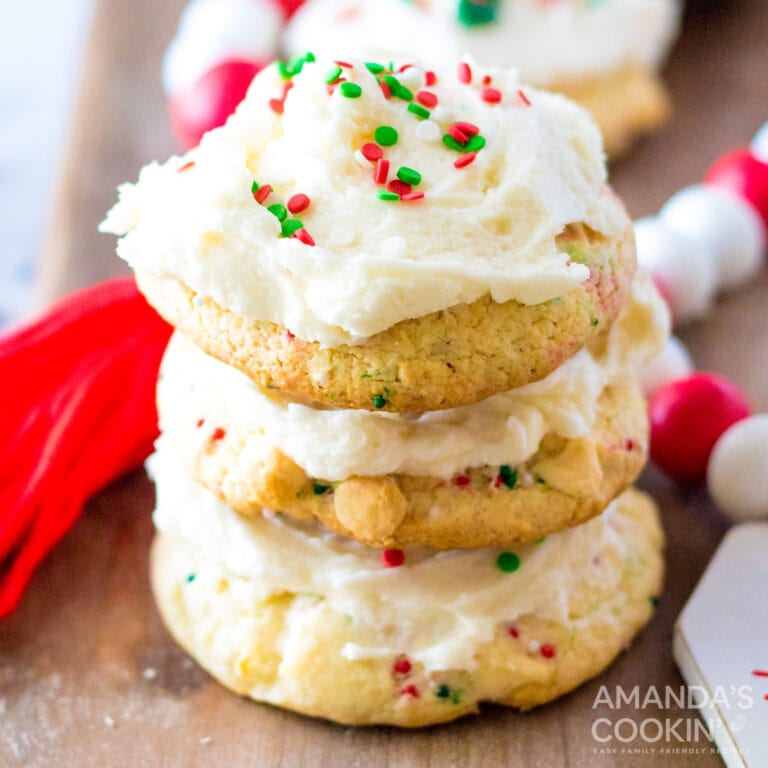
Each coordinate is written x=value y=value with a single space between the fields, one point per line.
x=442 y=360
x=625 y=103
x=567 y=481
x=292 y=649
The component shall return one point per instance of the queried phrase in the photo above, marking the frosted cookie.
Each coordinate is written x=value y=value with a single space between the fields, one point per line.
x=514 y=467
x=341 y=241
x=294 y=616
x=604 y=55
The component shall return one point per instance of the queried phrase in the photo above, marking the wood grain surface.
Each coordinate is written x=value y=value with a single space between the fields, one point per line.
x=88 y=675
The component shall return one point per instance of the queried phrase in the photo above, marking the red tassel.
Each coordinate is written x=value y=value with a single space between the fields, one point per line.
x=79 y=412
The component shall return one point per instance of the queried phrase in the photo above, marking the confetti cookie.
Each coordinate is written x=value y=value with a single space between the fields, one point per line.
x=514 y=467
x=289 y=614
x=383 y=237
x=604 y=55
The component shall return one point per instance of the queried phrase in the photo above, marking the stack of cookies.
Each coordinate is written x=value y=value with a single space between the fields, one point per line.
x=400 y=414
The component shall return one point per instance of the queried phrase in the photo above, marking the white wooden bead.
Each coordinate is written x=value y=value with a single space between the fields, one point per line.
x=727 y=225
x=737 y=475
x=212 y=31
x=759 y=144
x=672 y=362
x=686 y=268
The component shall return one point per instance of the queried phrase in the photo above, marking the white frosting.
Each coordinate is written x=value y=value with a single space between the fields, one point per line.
x=488 y=228
x=548 y=42
x=334 y=444
x=438 y=607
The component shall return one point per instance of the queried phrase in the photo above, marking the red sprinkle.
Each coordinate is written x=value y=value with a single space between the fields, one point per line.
x=465 y=160
x=630 y=444
x=200 y=423
x=399 y=187
x=277 y=106
x=498 y=482
x=458 y=134
x=760 y=672
x=487 y=80
x=262 y=193
x=427 y=98
x=410 y=690
x=344 y=64
x=430 y=78
x=392 y=558
x=218 y=434
x=548 y=651
x=412 y=196
x=382 y=171
x=462 y=481
x=514 y=632
x=469 y=128
x=523 y=98
x=404 y=67
x=372 y=151
x=289 y=335
x=303 y=236
x=491 y=95
x=465 y=72
x=298 y=203
x=401 y=666
x=385 y=89
x=186 y=166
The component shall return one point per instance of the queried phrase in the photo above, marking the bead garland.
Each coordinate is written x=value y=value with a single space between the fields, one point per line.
x=708 y=238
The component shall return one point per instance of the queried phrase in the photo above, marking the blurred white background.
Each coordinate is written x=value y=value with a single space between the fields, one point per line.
x=41 y=52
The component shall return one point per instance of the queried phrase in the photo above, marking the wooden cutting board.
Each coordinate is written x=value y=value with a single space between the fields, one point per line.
x=88 y=675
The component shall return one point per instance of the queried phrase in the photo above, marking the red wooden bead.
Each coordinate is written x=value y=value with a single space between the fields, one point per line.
x=741 y=173
x=211 y=100
x=687 y=417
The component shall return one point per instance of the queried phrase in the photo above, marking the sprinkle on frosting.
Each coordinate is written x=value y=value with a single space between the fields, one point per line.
x=392 y=558
x=507 y=562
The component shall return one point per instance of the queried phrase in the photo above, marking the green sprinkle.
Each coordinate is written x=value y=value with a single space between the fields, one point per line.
x=309 y=56
x=290 y=226
x=456 y=694
x=408 y=175
x=379 y=401
x=383 y=194
x=385 y=135
x=191 y=578
x=374 y=67
x=541 y=540
x=443 y=691
x=298 y=494
x=295 y=65
x=507 y=562
x=254 y=187
x=421 y=112
x=319 y=489
x=279 y=211
x=472 y=14
x=475 y=143
x=451 y=143
x=351 y=90
x=654 y=600
x=595 y=321
x=393 y=83
x=406 y=94
x=366 y=376
x=334 y=73
x=282 y=70
x=508 y=475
